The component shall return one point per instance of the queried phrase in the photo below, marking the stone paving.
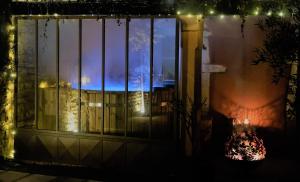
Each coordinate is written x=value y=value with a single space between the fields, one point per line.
x=15 y=176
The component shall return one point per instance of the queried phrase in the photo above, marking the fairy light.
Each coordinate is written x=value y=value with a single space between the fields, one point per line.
x=189 y=15
x=199 y=16
x=256 y=12
x=269 y=13
x=281 y=14
x=7 y=125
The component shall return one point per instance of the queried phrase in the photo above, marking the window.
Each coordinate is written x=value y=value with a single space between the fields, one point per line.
x=47 y=74
x=26 y=74
x=91 y=76
x=68 y=75
x=73 y=77
x=139 y=78
x=114 y=110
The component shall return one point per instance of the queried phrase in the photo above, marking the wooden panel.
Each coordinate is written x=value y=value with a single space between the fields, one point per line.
x=24 y=145
x=68 y=150
x=90 y=152
x=46 y=148
x=138 y=156
x=113 y=154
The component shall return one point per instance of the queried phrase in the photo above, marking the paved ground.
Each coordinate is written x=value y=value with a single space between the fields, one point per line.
x=10 y=176
x=274 y=170
x=16 y=176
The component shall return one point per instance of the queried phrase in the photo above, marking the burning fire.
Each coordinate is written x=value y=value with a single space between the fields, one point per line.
x=244 y=143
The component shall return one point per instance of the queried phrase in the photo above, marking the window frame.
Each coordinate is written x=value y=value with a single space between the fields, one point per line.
x=103 y=19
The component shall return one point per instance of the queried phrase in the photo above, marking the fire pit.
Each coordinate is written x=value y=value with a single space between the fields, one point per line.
x=244 y=146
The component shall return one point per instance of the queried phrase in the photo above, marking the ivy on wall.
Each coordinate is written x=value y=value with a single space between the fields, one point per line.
x=7 y=77
x=281 y=52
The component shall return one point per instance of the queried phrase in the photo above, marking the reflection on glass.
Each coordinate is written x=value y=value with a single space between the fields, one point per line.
x=91 y=112
x=138 y=77
x=26 y=73
x=114 y=119
x=163 y=76
x=68 y=75
x=91 y=76
x=47 y=36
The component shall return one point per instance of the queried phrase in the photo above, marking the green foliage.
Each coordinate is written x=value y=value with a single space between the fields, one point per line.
x=281 y=49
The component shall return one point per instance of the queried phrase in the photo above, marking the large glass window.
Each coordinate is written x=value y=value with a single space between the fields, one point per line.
x=26 y=73
x=139 y=77
x=91 y=76
x=163 y=76
x=47 y=74
x=114 y=110
x=68 y=75
x=81 y=82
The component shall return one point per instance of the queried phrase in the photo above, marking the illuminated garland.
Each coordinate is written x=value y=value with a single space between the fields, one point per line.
x=8 y=127
x=188 y=8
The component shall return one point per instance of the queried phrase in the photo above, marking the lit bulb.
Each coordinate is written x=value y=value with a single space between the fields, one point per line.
x=246 y=121
x=269 y=13
x=256 y=12
x=211 y=12
x=13 y=75
x=178 y=12
x=55 y=14
x=13 y=132
x=189 y=15
x=43 y=84
x=281 y=14
x=221 y=16
x=10 y=28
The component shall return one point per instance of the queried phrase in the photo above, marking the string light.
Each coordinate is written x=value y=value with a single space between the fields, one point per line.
x=256 y=12
x=13 y=75
x=281 y=14
x=199 y=16
x=189 y=15
x=8 y=126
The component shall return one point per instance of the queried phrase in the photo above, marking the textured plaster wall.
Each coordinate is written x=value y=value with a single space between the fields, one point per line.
x=244 y=90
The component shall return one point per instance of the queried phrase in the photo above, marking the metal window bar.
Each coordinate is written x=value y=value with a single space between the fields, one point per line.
x=79 y=74
x=16 y=69
x=151 y=73
x=103 y=74
x=57 y=74
x=126 y=74
x=175 y=124
x=36 y=72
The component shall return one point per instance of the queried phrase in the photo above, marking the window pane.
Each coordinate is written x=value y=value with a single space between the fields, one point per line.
x=139 y=77
x=47 y=74
x=163 y=76
x=91 y=76
x=114 y=76
x=68 y=75
x=26 y=73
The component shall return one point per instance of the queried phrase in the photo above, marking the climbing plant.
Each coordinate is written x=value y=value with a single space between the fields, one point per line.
x=281 y=52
